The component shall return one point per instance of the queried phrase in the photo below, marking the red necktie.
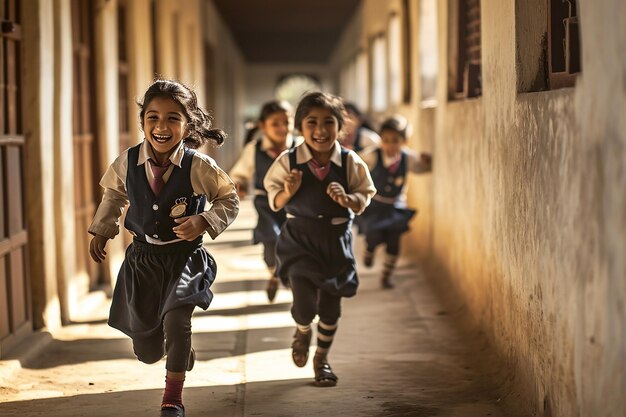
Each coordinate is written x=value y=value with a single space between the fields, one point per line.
x=320 y=171
x=157 y=182
x=394 y=167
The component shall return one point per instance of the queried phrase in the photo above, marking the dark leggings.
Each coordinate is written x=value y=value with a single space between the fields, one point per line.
x=269 y=253
x=391 y=239
x=308 y=301
x=174 y=338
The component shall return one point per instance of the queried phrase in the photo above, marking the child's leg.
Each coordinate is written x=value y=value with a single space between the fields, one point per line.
x=372 y=240
x=329 y=312
x=391 y=256
x=303 y=310
x=151 y=349
x=269 y=256
x=180 y=355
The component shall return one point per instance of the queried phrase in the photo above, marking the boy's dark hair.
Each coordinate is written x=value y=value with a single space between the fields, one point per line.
x=352 y=108
x=398 y=124
x=198 y=121
x=274 y=106
x=322 y=100
x=363 y=122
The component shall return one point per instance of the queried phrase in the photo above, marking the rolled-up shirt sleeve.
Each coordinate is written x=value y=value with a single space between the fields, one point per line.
x=243 y=170
x=209 y=179
x=114 y=199
x=359 y=181
x=274 y=181
x=417 y=165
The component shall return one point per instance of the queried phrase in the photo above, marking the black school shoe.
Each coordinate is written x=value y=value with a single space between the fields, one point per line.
x=172 y=410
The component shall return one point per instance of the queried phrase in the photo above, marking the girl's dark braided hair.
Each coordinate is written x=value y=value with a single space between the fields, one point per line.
x=198 y=121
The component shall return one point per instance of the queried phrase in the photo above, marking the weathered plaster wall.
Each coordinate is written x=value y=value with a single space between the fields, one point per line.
x=524 y=211
x=529 y=211
x=600 y=357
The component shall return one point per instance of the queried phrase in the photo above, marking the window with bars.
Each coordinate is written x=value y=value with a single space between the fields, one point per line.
x=563 y=43
x=466 y=63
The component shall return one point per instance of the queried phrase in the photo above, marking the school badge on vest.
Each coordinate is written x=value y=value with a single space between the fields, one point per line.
x=179 y=208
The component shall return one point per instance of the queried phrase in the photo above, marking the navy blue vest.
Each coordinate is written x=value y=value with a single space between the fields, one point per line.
x=311 y=200
x=387 y=184
x=262 y=163
x=154 y=216
x=356 y=147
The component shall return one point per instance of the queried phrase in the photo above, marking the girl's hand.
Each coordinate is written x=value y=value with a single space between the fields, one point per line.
x=338 y=194
x=96 y=248
x=190 y=227
x=293 y=182
x=242 y=190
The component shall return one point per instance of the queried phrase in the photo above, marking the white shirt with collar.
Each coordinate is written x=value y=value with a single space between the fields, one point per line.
x=358 y=175
x=243 y=170
x=207 y=178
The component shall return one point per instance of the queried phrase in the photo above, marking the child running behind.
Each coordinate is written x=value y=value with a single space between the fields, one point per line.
x=321 y=187
x=384 y=221
x=257 y=156
x=166 y=272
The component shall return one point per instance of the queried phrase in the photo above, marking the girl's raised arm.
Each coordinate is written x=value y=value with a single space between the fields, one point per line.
x=209 y=179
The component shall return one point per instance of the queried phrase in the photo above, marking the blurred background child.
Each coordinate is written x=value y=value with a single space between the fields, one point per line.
x=359 y=135
x=384 y=221
x=275 y=124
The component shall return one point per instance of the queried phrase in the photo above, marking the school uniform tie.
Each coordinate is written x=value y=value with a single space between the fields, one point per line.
x=320 y=171
x=394 y=167
x=157 y=182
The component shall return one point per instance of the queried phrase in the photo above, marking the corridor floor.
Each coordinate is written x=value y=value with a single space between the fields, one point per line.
x=397 y=353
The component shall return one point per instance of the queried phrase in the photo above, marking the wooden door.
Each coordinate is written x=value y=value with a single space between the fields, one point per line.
x=86 y=173
x=15 y=302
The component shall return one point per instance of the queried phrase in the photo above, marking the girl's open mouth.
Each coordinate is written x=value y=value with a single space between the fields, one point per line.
x=161 y=138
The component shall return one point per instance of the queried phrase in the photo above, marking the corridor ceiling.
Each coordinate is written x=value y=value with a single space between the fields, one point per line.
x=286 y=31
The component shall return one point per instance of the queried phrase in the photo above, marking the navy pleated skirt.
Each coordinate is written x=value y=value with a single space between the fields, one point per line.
x=320 y=252
x=155 y=279
x=269 y=221
x=384 y=217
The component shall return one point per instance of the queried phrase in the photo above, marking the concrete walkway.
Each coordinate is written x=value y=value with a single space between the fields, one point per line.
x=397 y=353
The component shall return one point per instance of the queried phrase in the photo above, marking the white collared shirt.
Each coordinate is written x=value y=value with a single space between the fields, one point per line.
x=243 y=170
x=359 y=179
x=207 y=178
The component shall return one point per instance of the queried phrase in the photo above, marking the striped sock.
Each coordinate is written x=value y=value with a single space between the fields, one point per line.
x=388 y=268
x=303 y=329
x=389 y=265
x=325 y=335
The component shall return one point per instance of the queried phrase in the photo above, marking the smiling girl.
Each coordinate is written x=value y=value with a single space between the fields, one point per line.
x=275 y=121
x=321 y=187
x=166 y=272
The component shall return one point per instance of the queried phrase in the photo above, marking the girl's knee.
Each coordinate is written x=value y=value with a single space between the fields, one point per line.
x=302 y=316
x=148 y=352
x=330 y=317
